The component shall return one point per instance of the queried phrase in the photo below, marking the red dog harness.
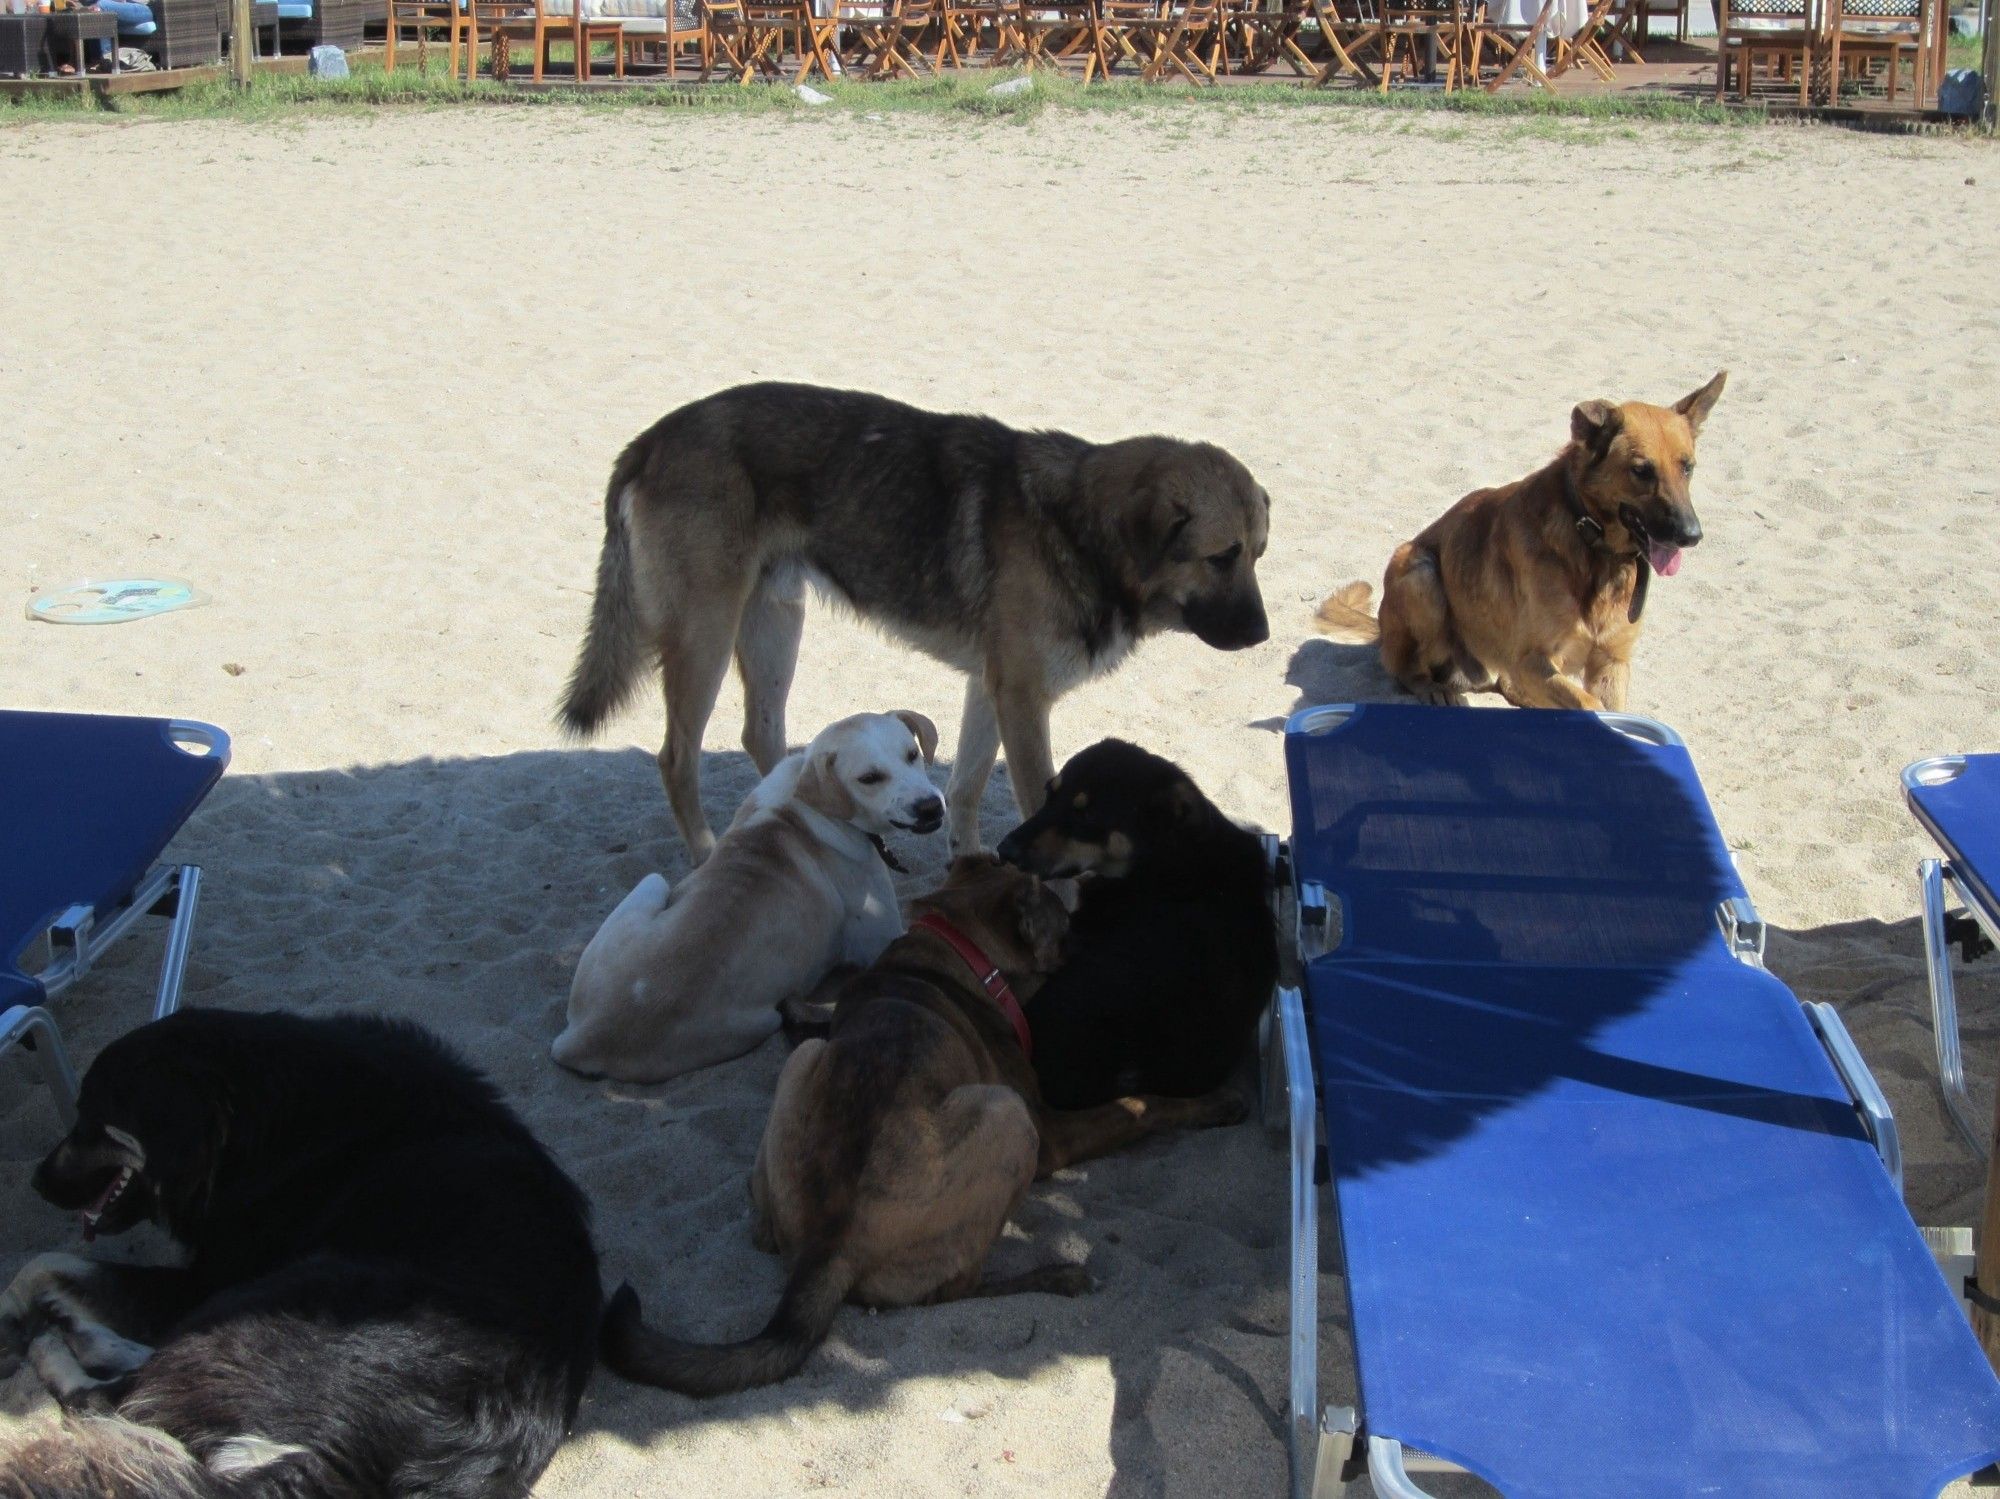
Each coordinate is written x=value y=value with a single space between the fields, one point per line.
x=988 y=975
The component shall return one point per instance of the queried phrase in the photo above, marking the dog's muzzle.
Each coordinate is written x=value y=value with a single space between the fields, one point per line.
x=1229 y=626
x=925 y=817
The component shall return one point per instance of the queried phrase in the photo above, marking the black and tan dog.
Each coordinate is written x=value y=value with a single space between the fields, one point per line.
x=1535 y=589
x=1171 y=953
x=898 y=1146
x=1032 y=561
x=389 y=1291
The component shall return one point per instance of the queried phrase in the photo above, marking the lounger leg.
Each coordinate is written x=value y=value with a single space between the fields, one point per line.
x=173 y=963
x=1944 y=1007
x=32 y=1023
x=1304 y=1413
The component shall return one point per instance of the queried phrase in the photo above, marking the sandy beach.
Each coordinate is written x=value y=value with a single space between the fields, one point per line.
x=360 y=379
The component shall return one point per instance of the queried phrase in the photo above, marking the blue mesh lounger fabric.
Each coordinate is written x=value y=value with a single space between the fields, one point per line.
x=1963 y=815
x=88 y=803
x=1611 y=1224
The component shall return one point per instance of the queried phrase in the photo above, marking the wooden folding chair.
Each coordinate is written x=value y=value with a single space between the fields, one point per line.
x=1183 y=39
x=774 y=30
x=1586 y=46
x=1257 y=36
x=424 y=18
x=1514 y=48
x=1782 y=34
x=1121 y=28
x=1051 y=30
x=869 y=38
x=1429 y=36
x=725 y=40
x=1351 y=29
x=964 y=25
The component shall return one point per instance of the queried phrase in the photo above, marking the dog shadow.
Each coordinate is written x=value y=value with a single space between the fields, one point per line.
x=1332 y=671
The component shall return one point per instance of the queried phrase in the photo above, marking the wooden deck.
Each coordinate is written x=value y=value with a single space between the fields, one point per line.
x=162 y=80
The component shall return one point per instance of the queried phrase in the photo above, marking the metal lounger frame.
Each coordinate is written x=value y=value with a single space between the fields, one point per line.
x=1942 y=885
x=1323 y=1440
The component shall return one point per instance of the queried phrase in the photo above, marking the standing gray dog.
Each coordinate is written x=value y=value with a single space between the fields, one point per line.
x=1032 y=561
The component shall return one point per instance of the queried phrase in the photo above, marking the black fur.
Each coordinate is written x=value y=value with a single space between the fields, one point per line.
x=384 y=1269
x=1169 y=963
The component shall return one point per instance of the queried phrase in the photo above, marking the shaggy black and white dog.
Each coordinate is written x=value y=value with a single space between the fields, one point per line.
x=389 y=1290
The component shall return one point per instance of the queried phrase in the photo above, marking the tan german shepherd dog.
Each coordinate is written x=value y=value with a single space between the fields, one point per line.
x=1534 y=590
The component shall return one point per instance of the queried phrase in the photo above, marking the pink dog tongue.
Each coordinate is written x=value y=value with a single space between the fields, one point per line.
x=1666 y=560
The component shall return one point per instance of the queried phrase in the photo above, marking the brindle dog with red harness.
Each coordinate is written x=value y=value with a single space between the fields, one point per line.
x=898 y=1146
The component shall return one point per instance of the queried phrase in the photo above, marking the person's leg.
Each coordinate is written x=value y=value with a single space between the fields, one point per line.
x=130 y=13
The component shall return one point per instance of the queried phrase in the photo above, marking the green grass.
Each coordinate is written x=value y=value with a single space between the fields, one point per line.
x=288 y=96
x=280 y=95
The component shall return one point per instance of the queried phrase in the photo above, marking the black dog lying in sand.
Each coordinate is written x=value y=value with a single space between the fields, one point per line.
x=390 y=1287
x=1172 y=952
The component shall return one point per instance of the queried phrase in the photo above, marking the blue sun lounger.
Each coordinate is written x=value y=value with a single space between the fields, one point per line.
x=88 y=804
x=1956 y=798
x=1620 y=1217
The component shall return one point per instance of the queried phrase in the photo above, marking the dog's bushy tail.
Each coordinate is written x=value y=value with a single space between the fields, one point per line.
x=804 y=1317
x=105 y=1458
x=1345 y=615
x=613 y=654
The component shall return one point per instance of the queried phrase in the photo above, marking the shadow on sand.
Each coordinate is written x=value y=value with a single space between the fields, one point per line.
x=460 y=893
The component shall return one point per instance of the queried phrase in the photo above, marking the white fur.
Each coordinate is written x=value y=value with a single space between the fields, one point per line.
x=685 y=976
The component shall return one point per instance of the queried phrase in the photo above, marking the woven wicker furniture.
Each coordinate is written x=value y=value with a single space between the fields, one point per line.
x=24 y=43
x=186 y=33
x=326 y=23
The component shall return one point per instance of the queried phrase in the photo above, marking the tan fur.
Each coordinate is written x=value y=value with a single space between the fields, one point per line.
x=1504 y=593
x=956 y=1129
x=1032 y=564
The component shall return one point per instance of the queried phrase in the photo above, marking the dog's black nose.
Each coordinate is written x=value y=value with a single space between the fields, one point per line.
x=1690 y=530
x=929 y=811
x=1010 y=847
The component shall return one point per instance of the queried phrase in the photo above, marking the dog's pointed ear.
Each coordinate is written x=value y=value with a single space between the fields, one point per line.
x=1696 y=405
x=1594 y=423
x=821 y=788
x=924 y=730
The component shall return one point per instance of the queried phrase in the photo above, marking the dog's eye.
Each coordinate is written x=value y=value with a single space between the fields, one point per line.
x=873 y=777
x=1643 y=471
x=1687 y=465
x=910 y=758
x=1223 y=561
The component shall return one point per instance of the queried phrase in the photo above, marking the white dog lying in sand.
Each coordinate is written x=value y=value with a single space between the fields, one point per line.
x=682 y=978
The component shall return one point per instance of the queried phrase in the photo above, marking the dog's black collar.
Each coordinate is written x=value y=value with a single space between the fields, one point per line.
x=887 y=858
x=1591 y=530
